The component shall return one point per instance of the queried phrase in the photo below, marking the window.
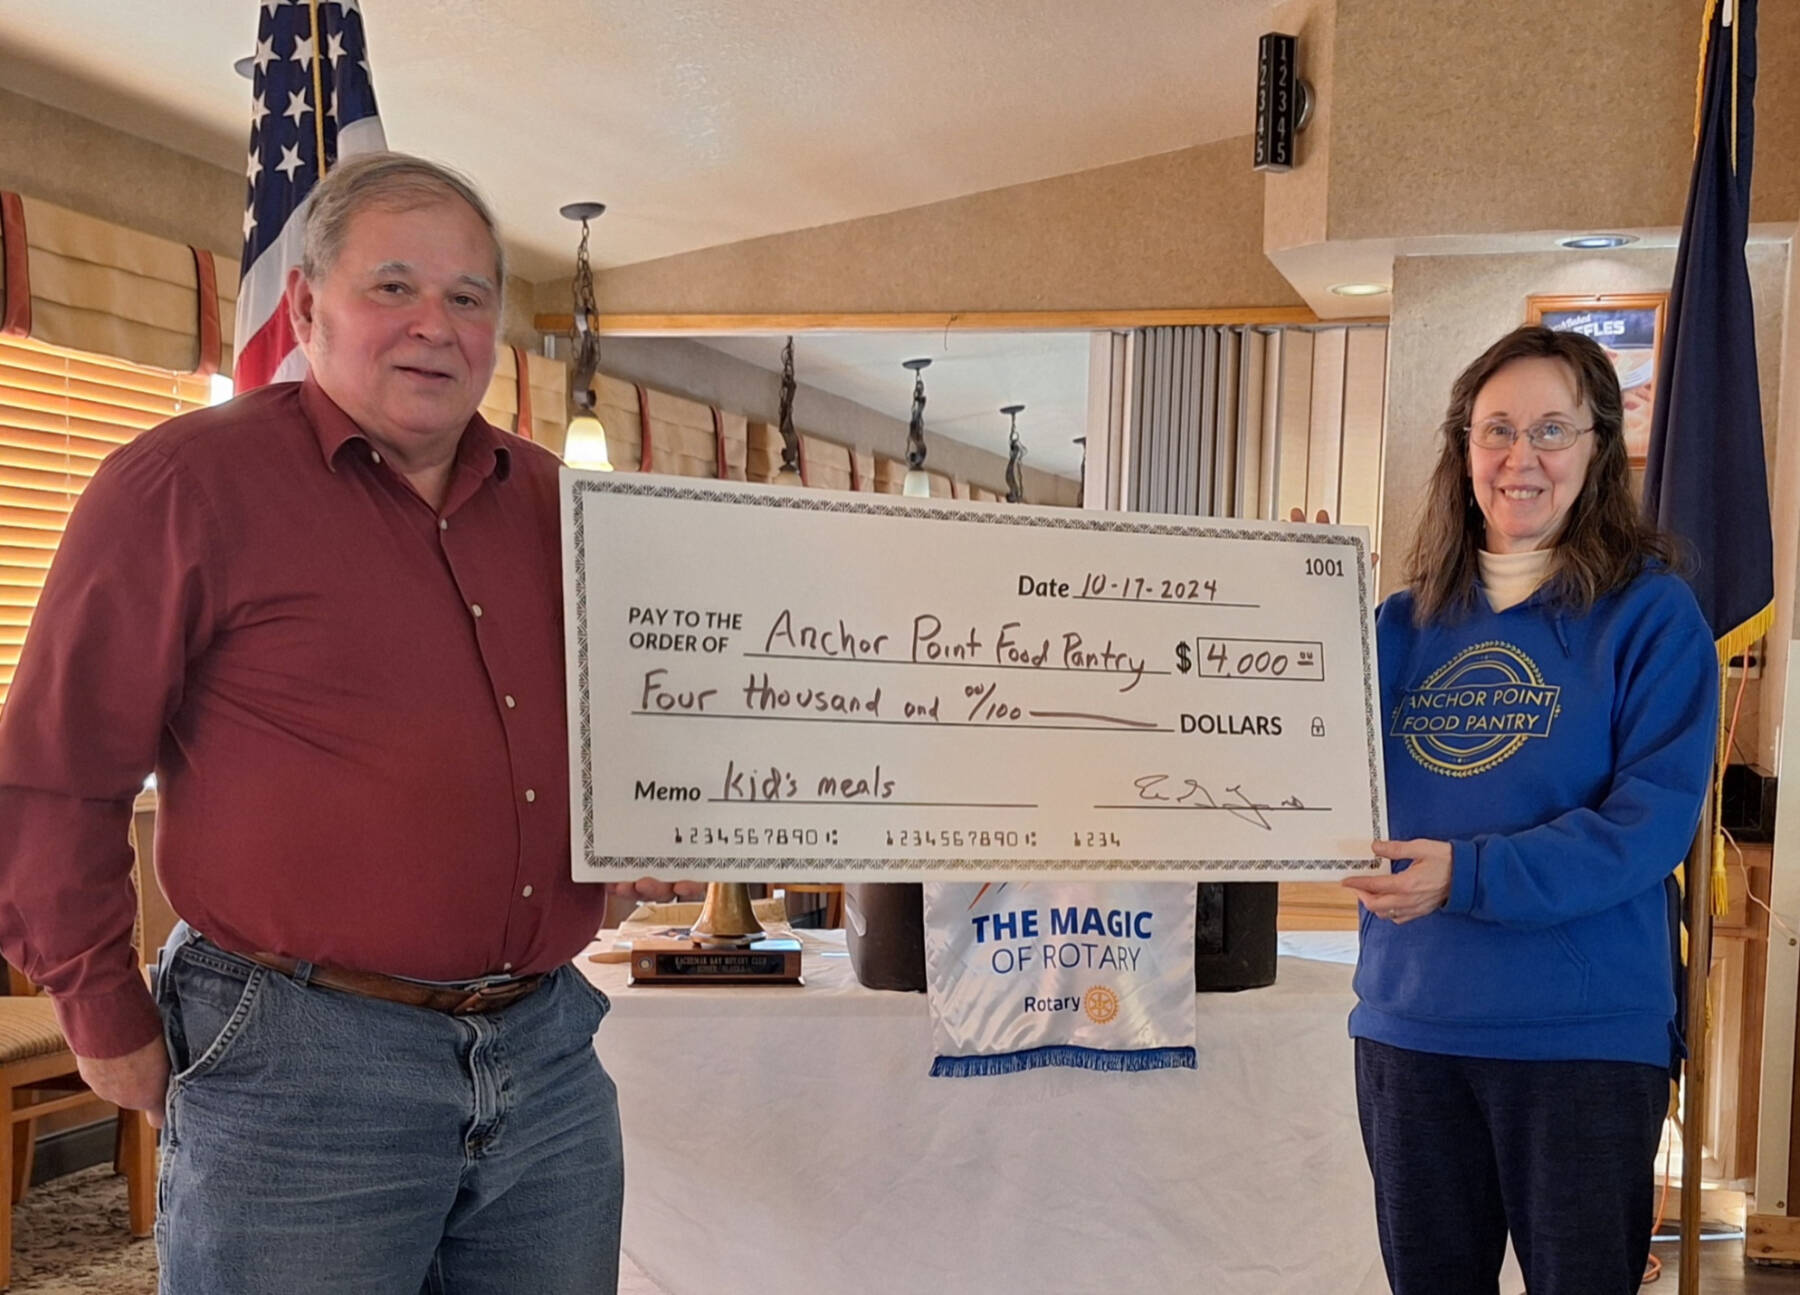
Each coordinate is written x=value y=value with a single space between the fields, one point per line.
x=61 y=413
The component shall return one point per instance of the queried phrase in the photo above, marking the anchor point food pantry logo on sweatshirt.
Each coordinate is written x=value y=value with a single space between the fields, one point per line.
x=1476 y=711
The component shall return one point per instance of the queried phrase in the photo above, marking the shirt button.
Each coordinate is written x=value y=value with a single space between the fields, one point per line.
x=475 y=610
x=530 y=795
x=526 y=892
x=506 y=966
x=443 y=523
x=510 y=703
x=374 y=456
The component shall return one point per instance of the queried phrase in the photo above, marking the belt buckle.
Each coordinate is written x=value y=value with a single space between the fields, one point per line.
x=495 y=995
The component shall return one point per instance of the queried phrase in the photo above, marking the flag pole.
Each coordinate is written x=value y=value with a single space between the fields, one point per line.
x=1693 y=1087
x=318 y=81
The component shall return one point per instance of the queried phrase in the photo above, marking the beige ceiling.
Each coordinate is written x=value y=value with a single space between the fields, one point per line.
x=698 y=121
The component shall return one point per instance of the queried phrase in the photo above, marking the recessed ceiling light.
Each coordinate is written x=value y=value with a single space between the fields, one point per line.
x=1596 y=242
x=1360 y=289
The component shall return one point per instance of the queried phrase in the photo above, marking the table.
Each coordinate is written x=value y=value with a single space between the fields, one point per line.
x=783 y=1139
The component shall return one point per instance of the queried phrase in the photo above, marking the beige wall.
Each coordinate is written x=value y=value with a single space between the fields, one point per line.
x=77 y=163
x=1429 y=122
x=81 y=164
x=1479 y=116
x=1296 y=202
x=688 y=368
x=516 y=312
x=1448 y=309
x=1180 y=229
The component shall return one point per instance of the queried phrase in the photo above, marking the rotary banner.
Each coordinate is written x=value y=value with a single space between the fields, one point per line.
x=1023 y=975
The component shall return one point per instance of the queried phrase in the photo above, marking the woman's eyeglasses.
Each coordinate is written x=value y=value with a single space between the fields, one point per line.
x=1547 y=436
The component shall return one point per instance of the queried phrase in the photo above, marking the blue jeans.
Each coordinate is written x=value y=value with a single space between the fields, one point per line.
x=320 y=1143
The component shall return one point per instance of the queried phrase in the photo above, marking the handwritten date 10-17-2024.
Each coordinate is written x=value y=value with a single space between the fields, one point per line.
x=1097 y=584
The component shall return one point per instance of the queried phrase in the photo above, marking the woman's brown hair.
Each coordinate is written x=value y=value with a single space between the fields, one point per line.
x=1605 y=540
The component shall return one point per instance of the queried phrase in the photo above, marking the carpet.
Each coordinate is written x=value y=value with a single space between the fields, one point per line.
x=70 y=1238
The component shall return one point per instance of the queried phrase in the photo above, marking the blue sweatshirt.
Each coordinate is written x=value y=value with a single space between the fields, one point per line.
x=1566 y=759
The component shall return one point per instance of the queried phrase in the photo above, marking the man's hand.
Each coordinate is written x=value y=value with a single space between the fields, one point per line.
x=1406 y=896
x=138 y=1080
x=645 y=889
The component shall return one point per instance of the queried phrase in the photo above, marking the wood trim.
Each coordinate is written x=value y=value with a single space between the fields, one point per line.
x=15 y=310
x=644 y=455
x=206 y=280
x=1538 y=303
x=1316 y=906
x=522 y=370
x=993 y=321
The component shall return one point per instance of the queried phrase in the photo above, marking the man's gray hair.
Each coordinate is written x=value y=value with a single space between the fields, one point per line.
x=397 y=181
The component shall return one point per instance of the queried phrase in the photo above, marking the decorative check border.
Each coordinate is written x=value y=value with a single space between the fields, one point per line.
x=1075 y=519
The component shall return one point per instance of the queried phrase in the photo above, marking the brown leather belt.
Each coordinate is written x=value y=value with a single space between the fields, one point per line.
x=439 y=998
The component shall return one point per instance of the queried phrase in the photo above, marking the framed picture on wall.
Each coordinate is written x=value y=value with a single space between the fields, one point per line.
x=1630 y=327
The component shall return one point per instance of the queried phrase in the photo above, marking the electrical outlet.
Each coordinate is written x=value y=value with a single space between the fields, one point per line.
x=1747 y=664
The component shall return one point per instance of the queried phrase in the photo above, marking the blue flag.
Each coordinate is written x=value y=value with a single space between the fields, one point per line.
x=1706 y=480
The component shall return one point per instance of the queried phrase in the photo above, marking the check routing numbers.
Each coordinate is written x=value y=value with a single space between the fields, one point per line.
x=768 y=682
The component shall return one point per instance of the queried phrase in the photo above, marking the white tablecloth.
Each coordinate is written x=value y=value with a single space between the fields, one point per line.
x=781 y=1139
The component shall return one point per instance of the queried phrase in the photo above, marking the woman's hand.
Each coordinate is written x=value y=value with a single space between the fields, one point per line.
x=1404 y=896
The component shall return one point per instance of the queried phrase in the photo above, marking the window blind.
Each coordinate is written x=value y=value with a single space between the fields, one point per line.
x=61 y=413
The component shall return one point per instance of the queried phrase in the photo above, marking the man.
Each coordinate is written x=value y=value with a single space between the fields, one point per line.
x=329 y=615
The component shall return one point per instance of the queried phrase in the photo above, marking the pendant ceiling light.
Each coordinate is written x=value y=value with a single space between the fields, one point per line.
x=585 y=445
x=917 y=484
x=790 y=439
x=1015 y=454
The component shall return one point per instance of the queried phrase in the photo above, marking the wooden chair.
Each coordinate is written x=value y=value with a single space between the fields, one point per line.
x=39 y=1077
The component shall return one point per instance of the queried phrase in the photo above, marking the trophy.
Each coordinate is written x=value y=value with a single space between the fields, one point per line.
x=725 y=946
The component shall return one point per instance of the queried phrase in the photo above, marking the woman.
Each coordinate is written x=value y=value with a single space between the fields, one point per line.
x=1550 y=693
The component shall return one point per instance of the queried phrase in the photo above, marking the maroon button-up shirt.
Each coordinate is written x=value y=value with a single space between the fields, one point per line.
x=354 y=706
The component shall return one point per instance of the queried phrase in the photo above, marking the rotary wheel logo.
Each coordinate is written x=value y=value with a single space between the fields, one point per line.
x=1101 y=1004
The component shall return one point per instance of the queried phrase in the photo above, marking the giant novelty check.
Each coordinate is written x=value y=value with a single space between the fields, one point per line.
x=769 y=683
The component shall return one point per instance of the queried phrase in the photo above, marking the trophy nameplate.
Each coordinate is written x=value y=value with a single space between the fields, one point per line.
x=662 y=960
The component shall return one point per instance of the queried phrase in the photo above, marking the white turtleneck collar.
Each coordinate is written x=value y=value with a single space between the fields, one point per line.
x=1510 y=578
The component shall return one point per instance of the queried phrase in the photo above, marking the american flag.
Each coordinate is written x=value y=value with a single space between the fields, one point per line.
x=295 y=74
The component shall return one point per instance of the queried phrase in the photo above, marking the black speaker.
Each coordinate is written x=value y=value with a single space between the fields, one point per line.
x=1234 y=935
x=884 y=929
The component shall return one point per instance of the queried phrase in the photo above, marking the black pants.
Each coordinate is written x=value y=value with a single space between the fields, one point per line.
x=1560 y=1153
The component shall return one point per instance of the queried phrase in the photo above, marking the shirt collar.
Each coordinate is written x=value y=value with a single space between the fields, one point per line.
x=482 y=450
